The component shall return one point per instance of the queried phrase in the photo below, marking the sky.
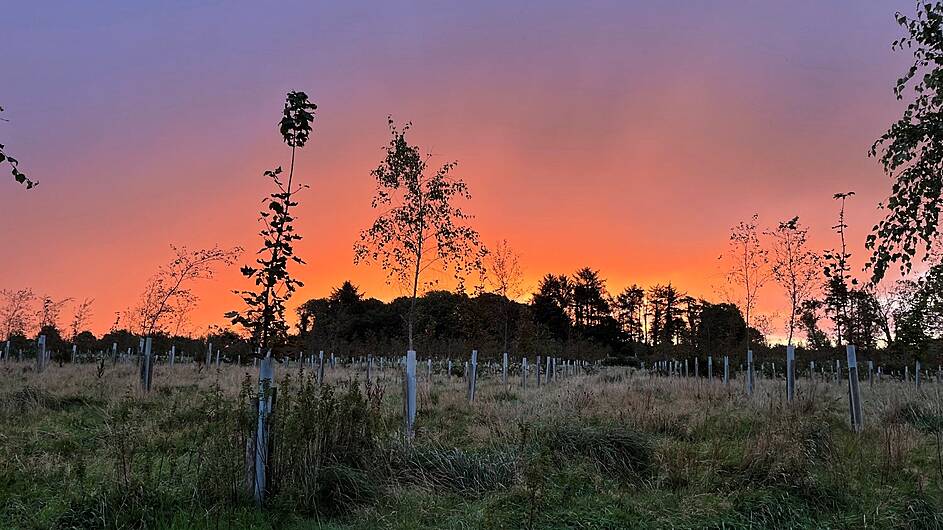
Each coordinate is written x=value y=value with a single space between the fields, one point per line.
x=624 y=136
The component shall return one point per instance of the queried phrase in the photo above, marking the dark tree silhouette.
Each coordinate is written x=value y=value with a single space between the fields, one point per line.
x=551 y=305
x=809 y=317
x=720 y=328
x=629 y=307
x=918 y=315
x=49 y=311
x=839 y=281
x=590 y=298
x=666 y=323
x=80 y=318
x=264 y=316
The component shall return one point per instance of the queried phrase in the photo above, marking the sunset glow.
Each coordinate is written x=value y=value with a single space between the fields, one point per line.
x=624 y=136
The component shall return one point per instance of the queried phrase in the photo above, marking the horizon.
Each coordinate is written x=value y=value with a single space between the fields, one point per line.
x=606 y=142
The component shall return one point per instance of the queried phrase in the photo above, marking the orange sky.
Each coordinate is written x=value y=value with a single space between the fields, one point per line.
x=625 y=137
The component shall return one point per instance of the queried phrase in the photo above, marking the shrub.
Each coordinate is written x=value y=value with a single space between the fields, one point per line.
x=325 y=445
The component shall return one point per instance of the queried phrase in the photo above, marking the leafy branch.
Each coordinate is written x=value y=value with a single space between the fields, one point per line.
x=264 y=316
x=18 y=175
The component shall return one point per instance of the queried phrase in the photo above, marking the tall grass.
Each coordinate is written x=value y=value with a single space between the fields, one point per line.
x=613 y=449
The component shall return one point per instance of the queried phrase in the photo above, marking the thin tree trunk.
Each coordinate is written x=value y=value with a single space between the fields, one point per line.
x=792 y=322
x=412 y=304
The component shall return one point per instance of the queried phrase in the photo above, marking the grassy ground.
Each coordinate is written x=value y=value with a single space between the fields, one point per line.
x=612 y=449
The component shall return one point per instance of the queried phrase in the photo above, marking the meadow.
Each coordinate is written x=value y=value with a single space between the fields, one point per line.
x=81 y=446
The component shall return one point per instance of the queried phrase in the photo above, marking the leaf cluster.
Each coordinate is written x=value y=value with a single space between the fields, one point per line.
x=18 y=175
x=911 y=150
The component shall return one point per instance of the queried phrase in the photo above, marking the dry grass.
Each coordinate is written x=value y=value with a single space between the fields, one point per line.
x=613 y=448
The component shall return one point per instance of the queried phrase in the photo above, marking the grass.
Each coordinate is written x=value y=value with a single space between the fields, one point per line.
x=612 y=449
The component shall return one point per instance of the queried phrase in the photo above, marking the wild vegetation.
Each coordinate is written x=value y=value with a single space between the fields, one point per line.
x=608 y=448
x=618 y=436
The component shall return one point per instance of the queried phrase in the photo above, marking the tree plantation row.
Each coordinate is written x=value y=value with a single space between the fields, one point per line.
x=568 y=317
x=541 y=367
x=206 y=356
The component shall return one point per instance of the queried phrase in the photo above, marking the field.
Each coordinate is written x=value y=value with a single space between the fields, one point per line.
x=82 y=447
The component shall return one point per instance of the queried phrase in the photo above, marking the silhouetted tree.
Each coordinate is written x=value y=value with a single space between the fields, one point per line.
x=550 y=305
x=795 y=268
x=264 y=316
x=839 y=281
x=886 y=301
x=748 y=267
x=720 y=329
x=693 y=309
x=506 y=279
x=49 y=311
x=665 y=321
x=347 y=321
x=629 y=308
x=918 y=314
x=309 y=314
x=85 y=341
x=122 y=337
x=19 y=342
x=422 y=227
x=863 y=319
x=55 y=344
x=80 y=318
x=17 y=315
x=345 y=305
x=590 y=298
x=229 y=345
x=809 y=319
x=168 y=296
